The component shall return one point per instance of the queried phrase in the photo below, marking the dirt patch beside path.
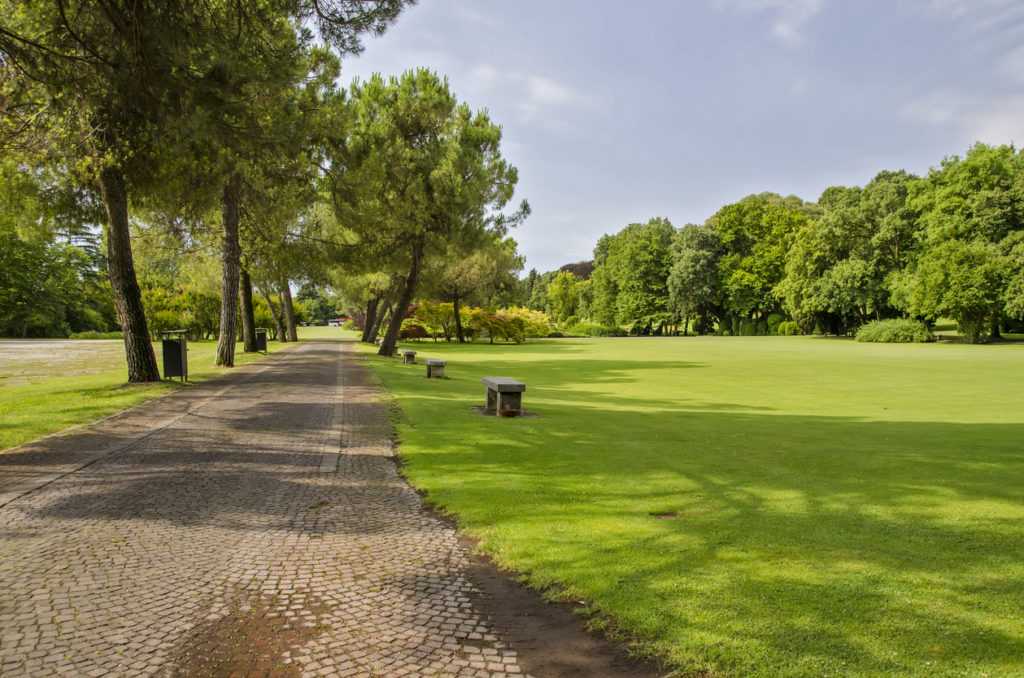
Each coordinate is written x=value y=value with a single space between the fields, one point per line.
x=549 y=637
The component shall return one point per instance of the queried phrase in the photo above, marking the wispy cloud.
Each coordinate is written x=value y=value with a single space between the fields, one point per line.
x=995 y=24
x=541 y=93
x=995 y=29
x=994 y=121
x=1012 y=65
x=534 y=93
x=788 y=16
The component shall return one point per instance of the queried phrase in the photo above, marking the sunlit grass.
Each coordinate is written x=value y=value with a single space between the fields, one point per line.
x=748 y=506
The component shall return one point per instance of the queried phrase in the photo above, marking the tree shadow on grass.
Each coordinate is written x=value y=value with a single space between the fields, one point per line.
x=801 y=542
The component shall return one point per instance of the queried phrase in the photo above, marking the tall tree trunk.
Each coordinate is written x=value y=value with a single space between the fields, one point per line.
x=383 y=314
x=127 y=295
x=289 y=311
x=278 y=325
x=370 y=319
x=382 y=320
x=460 y=337
x=231 y=263
x=391 y=338
x=993 y=330
x=248 y=317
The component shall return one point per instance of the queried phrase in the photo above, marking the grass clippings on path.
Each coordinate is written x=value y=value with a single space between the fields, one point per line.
x=842 y=509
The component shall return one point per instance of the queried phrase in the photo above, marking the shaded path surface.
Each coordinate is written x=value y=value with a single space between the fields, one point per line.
x=219 y=532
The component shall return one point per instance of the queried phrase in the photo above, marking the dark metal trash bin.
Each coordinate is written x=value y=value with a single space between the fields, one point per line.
x=261 y=339
x=175 y=349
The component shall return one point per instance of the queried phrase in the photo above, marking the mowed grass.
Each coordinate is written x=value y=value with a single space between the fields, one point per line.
x=747 y=506
x=53 y=385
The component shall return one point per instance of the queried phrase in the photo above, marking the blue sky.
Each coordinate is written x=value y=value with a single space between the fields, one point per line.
x=616 y=112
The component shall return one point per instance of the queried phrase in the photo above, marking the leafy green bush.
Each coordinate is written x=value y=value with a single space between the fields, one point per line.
x=411 y=329
x=532 y=323
x=787 y=328
x=489 y=325
x=594 y=330
x=96 y=335
x=894 y=331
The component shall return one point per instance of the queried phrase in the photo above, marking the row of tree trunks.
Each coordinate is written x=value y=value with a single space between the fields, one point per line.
x=231 y=264
x=370 y=319
x=235 y=283
x=248 y=317
x=383 y=319
x=278 y=324
x=127 y=295
x=384 y=312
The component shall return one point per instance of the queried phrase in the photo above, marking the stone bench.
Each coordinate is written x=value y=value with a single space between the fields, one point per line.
x=503 y=394
x=408 y=357
x=378 y=341
x=435 y=368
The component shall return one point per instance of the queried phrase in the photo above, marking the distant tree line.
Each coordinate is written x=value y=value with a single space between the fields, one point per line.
x=950 y=244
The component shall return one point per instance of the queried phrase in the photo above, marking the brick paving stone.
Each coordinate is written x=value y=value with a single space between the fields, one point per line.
x=220 y=526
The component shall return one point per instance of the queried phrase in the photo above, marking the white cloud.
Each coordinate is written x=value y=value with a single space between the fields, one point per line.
x=483 y=77
x=541 y=93
x=1012 y=65
x=533 y=93
x=789 y=16
x=471 y=14
x=993 y=121
x=995 y=24
x=939 y=108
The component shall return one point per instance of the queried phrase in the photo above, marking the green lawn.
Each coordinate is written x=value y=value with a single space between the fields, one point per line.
x=55 y=385
x=833 y=508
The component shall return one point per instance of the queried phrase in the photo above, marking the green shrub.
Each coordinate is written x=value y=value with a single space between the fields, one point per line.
x=594 y=330
x=787 y=328
x=894 y=331
x=411 y=329
x=96 y=335
x=773 y=322
x=532 y=323
x=493 y=325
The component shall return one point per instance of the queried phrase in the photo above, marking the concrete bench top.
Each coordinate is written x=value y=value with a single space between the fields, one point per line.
x=503 y=384
x=434 y=361
x=406 y=351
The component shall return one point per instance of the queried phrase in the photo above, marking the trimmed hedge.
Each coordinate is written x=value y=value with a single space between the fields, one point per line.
x=594 y=330
x=894 y=331
x=787 y=328
x=96 y=335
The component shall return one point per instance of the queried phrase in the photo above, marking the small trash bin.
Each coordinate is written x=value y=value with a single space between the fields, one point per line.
x=261 y=339
x=175 y=348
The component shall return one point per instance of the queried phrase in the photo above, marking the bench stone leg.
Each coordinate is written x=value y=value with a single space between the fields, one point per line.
x=492 y=400
x=510 y=401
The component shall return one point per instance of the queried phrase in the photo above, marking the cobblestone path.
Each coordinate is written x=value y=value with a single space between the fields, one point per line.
x=218 y=532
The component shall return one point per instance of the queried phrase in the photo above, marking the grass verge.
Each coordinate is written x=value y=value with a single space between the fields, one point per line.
x=47 y=386
x=748 y=506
